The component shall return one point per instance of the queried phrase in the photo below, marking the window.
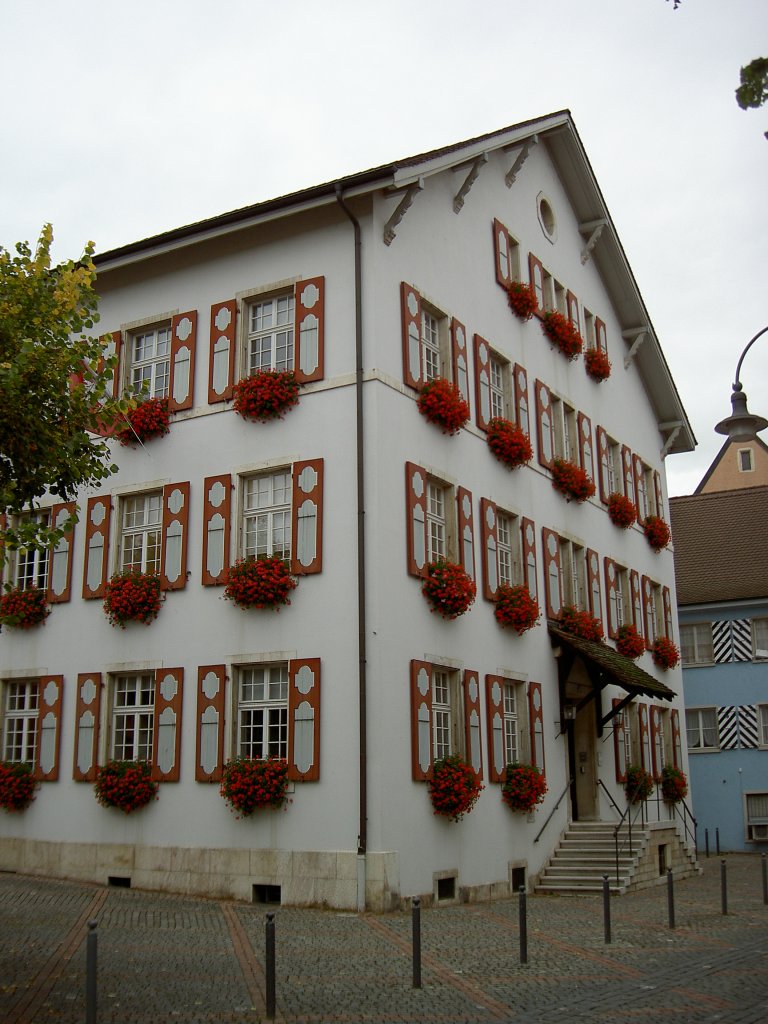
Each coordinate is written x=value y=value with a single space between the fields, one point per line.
x=624 y=723
x=619 y=597
x=430 y=350
x=507 y=725
x=445 y=716
x=511 y=724
x=141 y=532
x=508 y=549
x=437 y=515
x=610 y=465
x=498 y=389
x=701 y=726
x=543 y=285
x=546 y=217
x=270 y=340
x=566 y=436
x=653 y=611
x=133 y=717
x=267 y=515
x=31 y=566
x=760 y=638
x=20 y=721
x=507 y=254
x=762 y=710
x=696 y=643
x=757 y=816
x=493 y=384
x=150 y=360
x=262 y=712
x=746 y=464
x=436 y=524
x=573 y=567
x=445 y=733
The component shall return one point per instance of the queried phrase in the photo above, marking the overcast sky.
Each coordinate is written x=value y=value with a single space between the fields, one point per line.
x=118 y=121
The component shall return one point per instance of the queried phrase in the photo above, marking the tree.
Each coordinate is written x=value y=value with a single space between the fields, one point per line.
x=55 y=387
x=753 y=91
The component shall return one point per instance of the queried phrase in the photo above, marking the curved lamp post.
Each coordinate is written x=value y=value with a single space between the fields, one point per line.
x=741 y=425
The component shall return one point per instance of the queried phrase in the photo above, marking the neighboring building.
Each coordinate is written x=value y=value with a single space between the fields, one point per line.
x=738 y=464
x=356 y=683
x=721 y=564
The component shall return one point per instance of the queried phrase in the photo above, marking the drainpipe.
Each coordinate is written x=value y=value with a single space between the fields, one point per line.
x=362 y=837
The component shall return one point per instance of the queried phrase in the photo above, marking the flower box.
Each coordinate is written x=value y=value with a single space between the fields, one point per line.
x=571 y=480
x=639 y=784
x=249 y=784
x=622 y=511
x=656 y=532
x=674 y=785
x=453 y=787
x=524 y=786
x=665 y=653
x=509 y=443
x=125 y=785
x=581 y=623
x=522 y=299
x=442 y=403
x=597 y=364
x=448 y=588
x=266 y=395
x=132 y=597
x=630 y=643
x=148 y=420
x=562 y=333
x=23 y=609
x=259 y=583
x=516 y=608
x=17 y=785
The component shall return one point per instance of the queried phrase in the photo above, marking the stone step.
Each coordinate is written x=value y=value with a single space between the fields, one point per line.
x=579 y=889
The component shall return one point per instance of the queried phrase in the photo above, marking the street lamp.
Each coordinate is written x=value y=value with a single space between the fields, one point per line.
x=741 y=425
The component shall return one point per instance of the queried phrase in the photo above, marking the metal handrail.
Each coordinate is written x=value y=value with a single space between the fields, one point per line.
x=685 y=814
x=608 y=794
x=551 y=813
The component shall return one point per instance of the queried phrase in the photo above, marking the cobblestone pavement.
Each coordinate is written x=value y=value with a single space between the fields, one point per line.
x=168 y=958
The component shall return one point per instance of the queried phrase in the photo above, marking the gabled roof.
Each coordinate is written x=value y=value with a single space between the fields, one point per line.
x=727 y=445
x=720 y=547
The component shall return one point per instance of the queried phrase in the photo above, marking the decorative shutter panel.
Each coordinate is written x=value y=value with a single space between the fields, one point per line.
x=413 y=374
x=528 y=531
x=304 y=719
x=522 y=407
x=572 y=305
x=658 y=494
x=49 y=728
x=115 y=347
x=536 y=725
x=221 y=362
x=648 y=611
x=553 y=595
x=181 y=384
x=96 y=560
x=60 y=573
x=494 y=709
x=654 y=714
x=472 y=732
x=482 y=382
x=545 y=431
x=307 y=517
x=593 y=582
x=600 y=336
x=536 y=274
x=748 y=731
x=416 y=518
x=612 y=597
x=421 y=720
x=619 y=749
x=677 y=743
x=502 y=252
x=466 y=523
x=642 y=718
x=628 y=475
x=87 y=722
x=585 y=445
x=727 y=728
x=667 y=599
x=173 y=563
x=217 y=503
x=603 y=459
x=209 y=754
x=460 y=358
x=638 y=478
x=490 y=549
x=166 y=743
x=309 y=344
x=637 y=605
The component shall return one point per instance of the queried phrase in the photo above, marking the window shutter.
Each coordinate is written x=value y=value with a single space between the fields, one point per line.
x=217 y=502
x=411 y=312
x=536 y=725
x=522 y=417
x=642 y=718
x=648 y=611
x=593 y=582
x=482 y=382
x=421 y=720
x=96 y=546
x=309 y=343
x=49 y=728
x=173 y=564
x=60 y=577
x=528 y=531
x=603 y=458
x=552 y=576
x=502 y=253
x=572 y=305
x=472 y=731
x=494 y=709
x=304 y=719
x=545 y=432
x=307 y=517
x=221 y=362
x=115 y=347
x=416 y=518
x=637 y=613
x=668 y=619
x=612 y=597
x=600 y=336
x=490 y=548
x=677 y=743
x=585 y=445
x=655 y=752
x=87 y=721
x=181 y=384
x=536 y=274
x=166 y=742
x=460 y=358
x=466 y=530
x=619 y=748
x=628 y=475
x=638 y=478
x=658 y=493
x=209 y=755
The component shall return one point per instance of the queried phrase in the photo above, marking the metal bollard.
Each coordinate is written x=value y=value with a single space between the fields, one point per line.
x=765 y=879
x=723 y=888
x=270 y=965
x=523 y=927
x=706 y=841
x=91 y=944
x=416 y=940
x=671 y=897
x=717 y=841
x=606 y=910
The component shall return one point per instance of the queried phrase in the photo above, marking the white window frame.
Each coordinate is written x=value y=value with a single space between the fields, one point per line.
x=512 y=700
x=566 y=432
x=132 y=719
x=144 y=534
x=447 y=733
x=20 y=707
x=499 y=386
x=435 y=361
x=701 y=729
x=153 y=370
x=741 y=452
x=266 y=714
x=30 y=567
x=438 y=520
x=280 y=332
x=760 y=639
x=691 y=641
x=573 y=571
x=756 y=817
x=762 y=725
x=509 y=554
x=265 y=529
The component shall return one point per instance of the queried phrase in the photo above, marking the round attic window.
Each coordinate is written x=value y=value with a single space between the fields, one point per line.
x=546 y=217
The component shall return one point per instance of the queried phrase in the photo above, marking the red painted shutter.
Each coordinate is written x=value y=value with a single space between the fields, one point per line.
x=627 y=473
x=612 y=597
x=60 y=572
x=173 y=564
x=553 y=592
x=181 y=385
x=585 y=445
x=460 y=358
x=677 y=743
x=545 y=432
x=658 y=493
x=536 y=275
x=410 y=299
x=304 y=719
x=166 y=742
x=48 y=728
x=502 y=250
x=115 y=347
x=494 y=711
x=572 y=305
x=528 y=531
x=536 y=725
x=473 y=743
x=619 y=749
x=466 y=523
x=522 y=407
x=637 y=614
x=593 y=582
x=642 y=718
x=416 y=518
x=307 y=517
x=648 y=611
x=655 y=759
x=603 y=459
x=600 y=336
x=482 y=382
x=490 y=548
x=209 y=753
x=87 y=722
x=223 y=344
x=96 y=561
x=421 y=720
x=309 y=343
x=668 y=617
x=217 y=502
x=638 y=477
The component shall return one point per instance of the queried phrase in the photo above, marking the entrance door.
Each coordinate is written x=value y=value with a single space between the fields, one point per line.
x=584 y=768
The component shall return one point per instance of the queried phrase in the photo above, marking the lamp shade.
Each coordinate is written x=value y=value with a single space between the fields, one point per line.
x=741 y=425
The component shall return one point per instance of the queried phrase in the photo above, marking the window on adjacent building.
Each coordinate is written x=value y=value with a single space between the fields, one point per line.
x=746 y=465
x=141 y=532
x=20 y=721
x=267 y=515
x=762 y=711
x=701 y=726
x=760 y=638
x=262 y=712
x=30 y=566
x=696 y=643
x=150 y=360
x=133 y=717
x=270 y=340
x=757 y=816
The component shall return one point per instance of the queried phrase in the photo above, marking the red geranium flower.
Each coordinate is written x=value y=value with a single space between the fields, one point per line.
x=622 y=511
x=266 y=395
x=442 y=403
x=572 y=620
x=563 y=333
x=509 y=443
x=248 y=784
x=453 y=787
x=629 y=642
x=674 y=785
x=571 y=480
x=23 y=609
x=516 y=608
x=125 y=785
x=597 y=364
x=17 y=785
x=524 y=787
x=656 y=532
x=149 y=419
x=259 y=583
x=522 y=299
x=132 y=596
x=665 y=653
x=448 y=588
x=639 y=784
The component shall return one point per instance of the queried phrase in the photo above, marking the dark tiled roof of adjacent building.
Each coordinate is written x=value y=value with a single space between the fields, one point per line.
x=720 y=545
